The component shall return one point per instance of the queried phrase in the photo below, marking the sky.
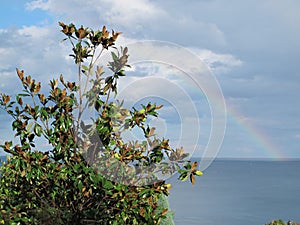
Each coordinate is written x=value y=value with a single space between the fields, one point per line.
x=250 y=50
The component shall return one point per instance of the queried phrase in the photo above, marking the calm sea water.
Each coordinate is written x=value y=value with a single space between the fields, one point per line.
x=234 y=192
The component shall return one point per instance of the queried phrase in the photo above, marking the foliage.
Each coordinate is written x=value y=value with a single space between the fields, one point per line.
x=77 y=180
x=280 y=222
x=277 y=222
x=164 y=203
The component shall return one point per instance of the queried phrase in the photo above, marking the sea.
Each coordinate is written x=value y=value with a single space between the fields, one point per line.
x=238 y=192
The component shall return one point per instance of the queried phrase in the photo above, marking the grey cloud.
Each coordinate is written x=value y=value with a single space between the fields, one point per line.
x=255 y=48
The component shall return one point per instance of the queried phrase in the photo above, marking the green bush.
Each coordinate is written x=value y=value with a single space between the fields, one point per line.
x=280 y=222
x=164 y=203
x=277 y=222
x=78 y=180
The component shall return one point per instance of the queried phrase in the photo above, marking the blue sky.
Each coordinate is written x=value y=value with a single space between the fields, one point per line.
x=252 y=48
x=13 y=14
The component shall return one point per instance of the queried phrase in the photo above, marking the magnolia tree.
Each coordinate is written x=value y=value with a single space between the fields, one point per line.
x=90 y=174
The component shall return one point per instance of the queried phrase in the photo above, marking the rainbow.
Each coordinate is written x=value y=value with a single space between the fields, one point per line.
x=258 y=136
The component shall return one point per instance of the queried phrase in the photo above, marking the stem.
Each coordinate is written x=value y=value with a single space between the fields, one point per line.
x=80 y=102
x=82 y=91
x=92 y=63
x=71 y=42
x=43 y=122
x=108 y=95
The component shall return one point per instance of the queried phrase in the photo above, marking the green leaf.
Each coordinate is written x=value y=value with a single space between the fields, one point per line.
x=109 y=79
x=85 y=67
x=107 y=184
x=37 y=130
x=183 y=176
x=24 y=95
x=44 y=114
x=15 y=124
x=114 y=56
x=121 y=73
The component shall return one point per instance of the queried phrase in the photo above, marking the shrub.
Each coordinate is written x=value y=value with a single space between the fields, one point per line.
x=89 y=174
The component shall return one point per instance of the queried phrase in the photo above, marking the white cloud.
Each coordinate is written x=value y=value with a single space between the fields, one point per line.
x=38 y=4
x=128 y=12
x=35 y=32
x=219 y=63
x=263 y=85
x=36 y=50
x=123 y=13
x=142 y=18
